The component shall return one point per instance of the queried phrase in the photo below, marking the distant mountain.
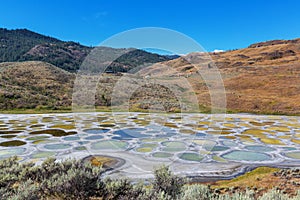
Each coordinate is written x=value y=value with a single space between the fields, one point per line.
x=25 y=45
x=262 y=78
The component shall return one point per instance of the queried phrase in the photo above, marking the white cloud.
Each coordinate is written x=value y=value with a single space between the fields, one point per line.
x=218 y=51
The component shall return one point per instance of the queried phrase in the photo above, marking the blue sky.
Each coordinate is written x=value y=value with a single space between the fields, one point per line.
x=213 y=24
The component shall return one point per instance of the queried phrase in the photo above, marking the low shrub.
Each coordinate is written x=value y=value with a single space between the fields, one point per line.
x=71 y=179
x=165 y=181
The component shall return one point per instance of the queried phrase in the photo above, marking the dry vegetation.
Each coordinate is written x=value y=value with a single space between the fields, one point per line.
x=263 y=78
x=71 y=179
x=34 y=85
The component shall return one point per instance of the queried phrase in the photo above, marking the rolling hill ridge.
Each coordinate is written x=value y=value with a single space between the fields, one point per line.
x=25 y=45
x=262 y=78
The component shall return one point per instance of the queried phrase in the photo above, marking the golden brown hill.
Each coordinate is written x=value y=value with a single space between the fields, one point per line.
x=34 y=85
x=271 y=53
x=263 y=78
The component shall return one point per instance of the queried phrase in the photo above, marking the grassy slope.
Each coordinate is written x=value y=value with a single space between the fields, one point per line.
x=262 y=180
x=261 y=79
x=34 y=85
x=250 y=179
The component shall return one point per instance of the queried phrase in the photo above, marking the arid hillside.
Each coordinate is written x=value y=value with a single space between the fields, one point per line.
x=33 y=84
x=263 y=78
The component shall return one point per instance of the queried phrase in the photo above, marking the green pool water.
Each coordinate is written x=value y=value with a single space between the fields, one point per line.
x=171 y=146
x=57 y=146
x=246 y=156
x=162 y=155
x=294 y=155
x=191 y=157
x=109 y=145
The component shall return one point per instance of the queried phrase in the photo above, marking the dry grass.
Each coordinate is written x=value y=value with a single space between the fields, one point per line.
x=250 y=179
x=261 y=180
x=265 y=79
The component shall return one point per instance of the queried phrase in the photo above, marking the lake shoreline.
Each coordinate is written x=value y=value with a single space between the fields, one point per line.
x=108 y=109
x=212 y=178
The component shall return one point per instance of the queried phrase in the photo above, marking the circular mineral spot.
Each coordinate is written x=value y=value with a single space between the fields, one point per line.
x=173 y=146
x=107 y=125
x=200 y=135
x=80 y=148
x=289 y=148
x=229 y=143
x=187 y=131
x=255 y=132
x=170 y=124
x=191 y=157
x=259 y=148
x=272 y=141
x=152 y=145
x=37 y=125
x=144 y=149
x=64 y=126
x=71 y=138
x=109 y=145
x=294 y=155
x=162 y=155
x=43 y=141
x=106 y=162
x=96 y=130
x=129 y=133
x=57 y=146
x=53 y=132
x=5 y=153
x=42 y=154
x=152 y=139
x=218 y=159
x=41 y=137
x=217 y=148
x=12 y=143
x=207 y=144
x=8 y=136
x=246 y=156
x=94 y=137
x=10 y=132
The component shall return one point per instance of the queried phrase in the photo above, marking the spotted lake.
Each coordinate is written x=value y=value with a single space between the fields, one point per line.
x=191 y=144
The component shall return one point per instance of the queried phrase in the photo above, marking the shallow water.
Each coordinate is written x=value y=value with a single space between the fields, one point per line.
x=182 y=138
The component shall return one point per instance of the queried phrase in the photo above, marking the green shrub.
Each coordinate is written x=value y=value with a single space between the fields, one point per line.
x=165 y=181
x=196 y=191
x=274 y=195
x=248 y=195
x=297 y=196
x=123 y=189
x=27 y=190
x=69 y=179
